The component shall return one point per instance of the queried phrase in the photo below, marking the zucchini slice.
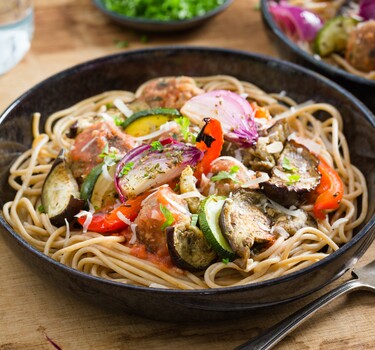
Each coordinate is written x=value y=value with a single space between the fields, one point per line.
x=104 y=191
x=89 y=182
x=147 y=121
x=333 y=36
x=60 y=193
x=208 y=218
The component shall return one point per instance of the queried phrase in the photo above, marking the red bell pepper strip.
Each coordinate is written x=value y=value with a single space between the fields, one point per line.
x=330 y=190
x=210 y=140
x=103 y=222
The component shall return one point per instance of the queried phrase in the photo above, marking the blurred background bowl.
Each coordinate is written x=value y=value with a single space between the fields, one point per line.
x=363 y=88
x=150 y=25
x=127 y=71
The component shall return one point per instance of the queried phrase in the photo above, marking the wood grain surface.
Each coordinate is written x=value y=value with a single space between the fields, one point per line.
x=36 y=315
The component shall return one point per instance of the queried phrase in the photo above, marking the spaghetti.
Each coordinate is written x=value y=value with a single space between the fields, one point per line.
x=110 y=256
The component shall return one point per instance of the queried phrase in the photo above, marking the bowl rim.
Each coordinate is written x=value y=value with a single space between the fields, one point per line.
x=147 y=21
x=320 y=64
x=367 y=229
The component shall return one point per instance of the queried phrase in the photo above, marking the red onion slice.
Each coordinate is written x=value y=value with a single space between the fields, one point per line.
x=295 y=21
x=144 y=168
x=367 y=9
x=233 y=111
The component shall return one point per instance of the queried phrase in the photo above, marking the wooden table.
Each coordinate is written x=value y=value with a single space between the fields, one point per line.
x=34 y=314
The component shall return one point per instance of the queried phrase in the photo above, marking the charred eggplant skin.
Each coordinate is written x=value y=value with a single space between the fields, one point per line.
x=301 y=163
x=188 y=248
x=60 y=193
x=244 y=223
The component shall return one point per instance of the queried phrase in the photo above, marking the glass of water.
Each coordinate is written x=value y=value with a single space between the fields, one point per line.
x=16 y=31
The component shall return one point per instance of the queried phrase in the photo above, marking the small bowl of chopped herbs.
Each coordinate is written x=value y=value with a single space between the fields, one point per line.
x=161 y=15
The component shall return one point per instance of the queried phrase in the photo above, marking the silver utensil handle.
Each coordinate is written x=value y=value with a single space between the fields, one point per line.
x=272 y=336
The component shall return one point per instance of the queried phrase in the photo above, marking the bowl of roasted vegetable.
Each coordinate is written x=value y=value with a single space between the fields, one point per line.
x=187 y=183
x=161 y=16
x=335 y=38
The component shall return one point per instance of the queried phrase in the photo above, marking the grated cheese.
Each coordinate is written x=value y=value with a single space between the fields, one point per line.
x=122 y=107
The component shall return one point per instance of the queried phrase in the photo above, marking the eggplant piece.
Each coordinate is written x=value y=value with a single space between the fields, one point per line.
x=243 y=221
x=294 y=177
x=60 y=193
x=73 y=131
x=188 y=248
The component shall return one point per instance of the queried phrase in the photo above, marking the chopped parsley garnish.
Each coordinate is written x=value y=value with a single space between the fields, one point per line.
x=293 y=178
x=126 y=168
x=156 y=146
x=225 y=261
x=194 y=220
x=41 y=209
x=163 y=10
x=184 y=124
x=286 y=165
x=121 y=44
x=224 y=175
x=118 y=120
x=109 y=158
x=109 y=105
x=168 y=217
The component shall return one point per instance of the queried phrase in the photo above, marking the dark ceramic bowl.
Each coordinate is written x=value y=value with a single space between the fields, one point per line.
x=363 y=88
x=128 y=71
x=149 y=25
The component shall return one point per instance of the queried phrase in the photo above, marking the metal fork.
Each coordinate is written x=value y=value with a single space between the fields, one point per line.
x=364 y=278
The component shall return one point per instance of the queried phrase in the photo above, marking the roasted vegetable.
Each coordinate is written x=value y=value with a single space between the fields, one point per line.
x=187 y=184
x=330 y=190
x=210 y=141
x=104 y=191
x=243 y=222
x=113 y=221
x=189 y=248
x=147 y=121
x=60 y=193
x=294 y=177
x=209 y=215
x=146 y=166
x=233 y=112
x=333 y=36
x=89 y=182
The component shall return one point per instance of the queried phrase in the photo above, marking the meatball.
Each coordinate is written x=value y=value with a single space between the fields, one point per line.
x=88 y=145
x=150 y=220
x=360 y=50
x=169 y=92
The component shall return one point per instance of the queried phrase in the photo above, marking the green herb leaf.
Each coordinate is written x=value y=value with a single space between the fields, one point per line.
x=109 y=158
x=286 y=164
x=168 y=217
x=118 y=121
x=156 y=146
x=194 y=220
x=184 y=123
x=41 y=209
x=225 y=261
x=293 y=178
x=126 y=168
x=109 y=105
x=165 y=10
x=224 y=175
x=121 y=44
